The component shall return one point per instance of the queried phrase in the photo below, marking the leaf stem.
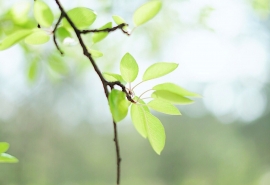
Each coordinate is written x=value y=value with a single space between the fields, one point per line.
x=137 y=85
x=145 y=92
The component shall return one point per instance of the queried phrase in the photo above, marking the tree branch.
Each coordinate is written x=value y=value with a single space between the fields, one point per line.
x=105 y=83
x=120 y=26
x=54 y=34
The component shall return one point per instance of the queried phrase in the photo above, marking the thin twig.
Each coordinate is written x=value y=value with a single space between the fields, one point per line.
x=120 y=26
x=54 y=34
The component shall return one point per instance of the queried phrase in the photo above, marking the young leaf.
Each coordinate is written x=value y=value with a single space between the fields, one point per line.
x=81 y=17
x=57 y=64
x=171 y=97
x=155 y=132
x=62 y=33
x=97 y=37
x=3 y=147
x=118 y=20
x=43 y=14
x=159 y=69
x=129 y=68
x=36 y=38
x=146 y=12
x=20 y=11
x=12 y=39
x=118 y=105
x=96 y=53
x=111 y=77
x=175 y=89
x=6 y=158
x=138 y=119
x=32 y=71
x=163 y=106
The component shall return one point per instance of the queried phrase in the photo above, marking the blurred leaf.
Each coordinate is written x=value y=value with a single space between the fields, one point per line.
x=119 y=20
x=62 y=33
x=159 y=69
x=163 y=106
x=12 y=39
x=118 y=105
x=43 y=14
x=96 y=53
x=81 y=17
x=146 y=12
x=97 y=37
x=32 y=71
x=129 y=68
x=3 y=147
x=155 y=132
x=138 y=119
x=58 y=65
x=6 y=158
x=38 y=37
x=175 y=89
x=111 y=77
x=19 y=12
x=171 y=97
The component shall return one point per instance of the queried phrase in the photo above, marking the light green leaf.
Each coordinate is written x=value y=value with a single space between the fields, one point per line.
x=81 y=17
x=175 y=89
x=97 y=37
x=43 y=14
x=3 y=147
x=96 y=53
x=129 y=68
x=171 y=97
x=36 y=38
x=62 y=33
x=19 y=12
x=32 y=71
x=118 y=105
x=138 y=119
x=159 y=69
x=146 y=12
x=119 y=20
x=155 y=132
x=6 y=158
x=163 y=106
x=57 y=64
x=111 y=77
x=12 y=39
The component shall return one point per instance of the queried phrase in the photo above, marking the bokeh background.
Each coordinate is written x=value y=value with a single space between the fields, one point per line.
x=55 y=116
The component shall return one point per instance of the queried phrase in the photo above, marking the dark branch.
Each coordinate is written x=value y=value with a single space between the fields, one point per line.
x=105 y=83
x=120 y=26
x=54 y=34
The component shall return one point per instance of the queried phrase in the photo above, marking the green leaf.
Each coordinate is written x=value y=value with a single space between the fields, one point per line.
x=19 y=12
x=175 y=89
x=171 y=97
x=155 y=132
x=138 y=119
x=12 y=39
x=96 y=53
x=163 y=106
x=111 y=77
x=57 y=64
x=6 y=158
x=97 y=37
x=62 y=33
x=129 y=68
x=81 y=17
x=146 y=12
x=3 y=147
x=118 y=105
x=36 y=38
x=159 y=69
x=119 y=20
x=32 y=71
x=43 y=14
